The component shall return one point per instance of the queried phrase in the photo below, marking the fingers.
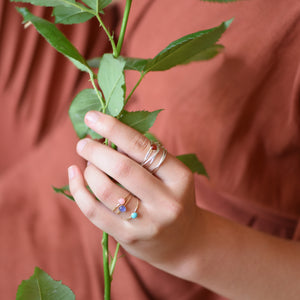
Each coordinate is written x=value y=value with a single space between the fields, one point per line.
x=113 y=196
x=133 y=143
x=158 y=202
x=105 y=215
x=103 y=187
x=94 y=210
x=123 y=169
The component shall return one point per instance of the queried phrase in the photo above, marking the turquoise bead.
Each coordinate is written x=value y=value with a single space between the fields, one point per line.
x=134 y=215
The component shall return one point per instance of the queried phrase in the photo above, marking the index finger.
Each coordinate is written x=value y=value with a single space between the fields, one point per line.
x=132 y=143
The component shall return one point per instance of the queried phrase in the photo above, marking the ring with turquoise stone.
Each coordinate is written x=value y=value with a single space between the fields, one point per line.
x=134 y=214
x=121 y=207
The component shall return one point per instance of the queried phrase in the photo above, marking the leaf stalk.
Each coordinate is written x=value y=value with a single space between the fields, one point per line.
x=110 y=37
x=135 y=87
x=96 y=90
x=114 y=261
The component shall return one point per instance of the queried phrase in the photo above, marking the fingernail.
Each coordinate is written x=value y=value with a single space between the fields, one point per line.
x=92 y=117
x=81 y=144
x=71 y=172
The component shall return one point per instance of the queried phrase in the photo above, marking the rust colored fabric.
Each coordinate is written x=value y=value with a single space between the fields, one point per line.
x=238 y=112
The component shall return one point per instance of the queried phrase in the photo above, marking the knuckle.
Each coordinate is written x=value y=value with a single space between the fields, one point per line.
x=128 y=239
x=111 y=124
x=187 y=176
x=101 y=191
x=140 y=143
x=105 y=193
x=174 y=211
x=154 y=230
x=123 y=169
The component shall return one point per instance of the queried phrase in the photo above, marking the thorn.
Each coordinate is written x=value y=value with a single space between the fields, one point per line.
x=27 y=24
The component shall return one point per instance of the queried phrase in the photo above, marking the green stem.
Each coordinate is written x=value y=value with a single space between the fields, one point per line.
x=107 y=268
x=110 y=37
x=106 y=271
x=97 y=91
x=123 y=27
x=114 y=260
x=135 y=87
x=105 y=254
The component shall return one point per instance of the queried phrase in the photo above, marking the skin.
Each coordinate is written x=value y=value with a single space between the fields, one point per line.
x=232 y=260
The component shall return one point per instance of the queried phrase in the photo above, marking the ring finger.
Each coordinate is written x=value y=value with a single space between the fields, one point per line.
x=113 y=196
x=140 y=216
x=101 y=214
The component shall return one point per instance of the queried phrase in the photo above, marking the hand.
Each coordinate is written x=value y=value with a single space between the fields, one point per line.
x=170 y=231
x=164 y=227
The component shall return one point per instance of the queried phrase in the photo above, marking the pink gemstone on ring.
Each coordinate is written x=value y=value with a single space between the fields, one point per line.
x=121 y=201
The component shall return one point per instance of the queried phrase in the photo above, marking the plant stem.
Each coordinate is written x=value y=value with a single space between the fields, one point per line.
x=110 y=37
x=96 y=90
x=123 y=27
x=134 y=88
x=107 y=268
x=107 y=277
x=114 y=261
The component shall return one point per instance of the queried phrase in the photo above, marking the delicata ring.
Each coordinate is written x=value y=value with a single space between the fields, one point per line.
x=154 y=152
x=122 y=208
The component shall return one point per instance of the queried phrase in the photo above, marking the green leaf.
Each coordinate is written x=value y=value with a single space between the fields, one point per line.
x=140 y=64
x=184 y=49
x=50 y=3
x=136 y=64
x=97 y=5
x=56 y=39
x=131 y=63
x=71 y=15
x=63 y=190
x=207 y=54
x=40 y=286
x=111 y=80
x=192 y=162
x=141 y=121
x=84 y=101
x=94 y=62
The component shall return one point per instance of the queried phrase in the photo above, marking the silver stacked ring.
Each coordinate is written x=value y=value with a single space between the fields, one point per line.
x=154 y=151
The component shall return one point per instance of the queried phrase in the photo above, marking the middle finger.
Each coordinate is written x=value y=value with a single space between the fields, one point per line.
x=124 y=170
